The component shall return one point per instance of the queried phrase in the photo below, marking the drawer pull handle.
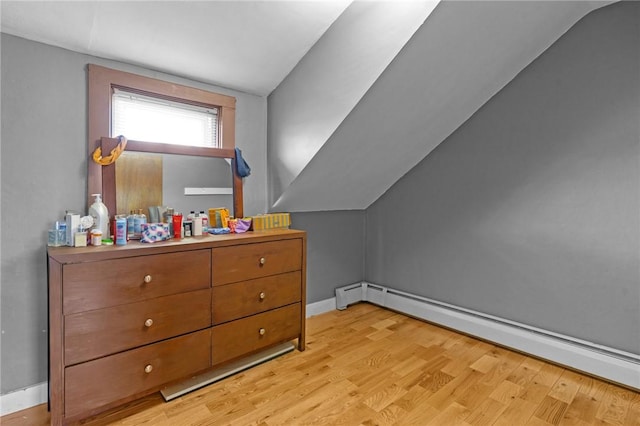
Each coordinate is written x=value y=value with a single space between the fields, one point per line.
x=262 y=331
x=262 y=261
x=262 y=295
x=148 y=369
x=148 y=322
x=147 y=279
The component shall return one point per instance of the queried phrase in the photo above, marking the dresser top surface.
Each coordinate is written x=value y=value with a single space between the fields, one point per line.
x=136 y=248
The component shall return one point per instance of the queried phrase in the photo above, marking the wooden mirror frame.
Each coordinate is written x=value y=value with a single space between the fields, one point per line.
x=102 y=82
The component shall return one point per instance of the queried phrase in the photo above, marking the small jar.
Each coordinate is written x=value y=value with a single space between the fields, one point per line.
x=96 y=237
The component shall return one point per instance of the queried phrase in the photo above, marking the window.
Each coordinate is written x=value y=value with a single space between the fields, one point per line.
x=146 y=118
x=104 y=83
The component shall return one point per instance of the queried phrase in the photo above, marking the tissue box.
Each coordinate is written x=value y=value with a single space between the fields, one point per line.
x=271 y=221
x=152 y=232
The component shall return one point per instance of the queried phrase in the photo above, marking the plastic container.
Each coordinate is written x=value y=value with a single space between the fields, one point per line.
x=187 y=227
x=96 y=237
x=100 y=215
x=139 y=219
x=57 y=237
x=121 y=230
x=177 y=225
x=131 y=224
x=205 y=221
x=197 y=225
x=167 y=217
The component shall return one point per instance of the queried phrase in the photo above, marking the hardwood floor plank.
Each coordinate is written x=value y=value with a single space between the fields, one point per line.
x=518 y=412
x=421 y=414
x=448 y=394
x=35 y=416
x=475 y=395
x=551 y=410
x=387 y=417
x=506 y=391
x=583 y=408
x=485 y=363
x=435 y=381
x=566 y=387
x=408 y=365
x=486 y=413
x=313 y=402
x=453 y=414
x=508 y=362
x=633 y=415
x=526 y=372
x=384 y=395
x=548 y=375
x=615 y=405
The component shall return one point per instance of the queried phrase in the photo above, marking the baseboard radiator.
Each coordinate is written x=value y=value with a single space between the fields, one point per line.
x=597 y=360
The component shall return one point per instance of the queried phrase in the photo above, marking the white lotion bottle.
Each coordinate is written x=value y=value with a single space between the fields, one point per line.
x=100 y=215
x=197 y=225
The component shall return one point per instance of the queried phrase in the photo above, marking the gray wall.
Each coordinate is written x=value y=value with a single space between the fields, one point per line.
x=530 y=211
x=43 y=173
x=335 y=250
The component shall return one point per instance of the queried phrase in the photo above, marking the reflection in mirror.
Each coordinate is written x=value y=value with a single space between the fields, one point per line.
x=147 y=179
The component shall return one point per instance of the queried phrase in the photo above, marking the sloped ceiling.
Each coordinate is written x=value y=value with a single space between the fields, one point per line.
x=249 y=46
x=458 y=59
x=330 y=80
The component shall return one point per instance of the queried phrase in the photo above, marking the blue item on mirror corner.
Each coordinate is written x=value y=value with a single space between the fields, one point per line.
x=242 y=167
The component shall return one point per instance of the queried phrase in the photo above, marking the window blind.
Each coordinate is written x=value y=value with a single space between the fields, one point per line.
x=149 y=119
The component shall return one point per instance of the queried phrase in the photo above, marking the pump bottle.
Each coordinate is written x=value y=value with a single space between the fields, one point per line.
x=100 y=215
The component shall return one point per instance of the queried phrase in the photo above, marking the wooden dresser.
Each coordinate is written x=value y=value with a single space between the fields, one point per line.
x=125 y=321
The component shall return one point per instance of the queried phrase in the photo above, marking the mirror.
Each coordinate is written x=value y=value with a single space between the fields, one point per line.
x=151 y=174
x=184 y=183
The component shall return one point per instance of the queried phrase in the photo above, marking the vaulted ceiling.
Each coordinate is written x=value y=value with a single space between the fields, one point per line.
x=250 y=46
x=359 y=93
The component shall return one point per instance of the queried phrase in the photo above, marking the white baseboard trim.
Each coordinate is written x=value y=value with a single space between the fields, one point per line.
x=598 y=360
x=37 y=394
x=321 y=307
x=23 y=398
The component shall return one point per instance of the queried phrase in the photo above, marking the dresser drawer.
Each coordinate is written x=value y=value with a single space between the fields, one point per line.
x=92 y=334
x=243 y=336
x=95 y=285
x=245 y=262
x=96 y=383
x=233 y=301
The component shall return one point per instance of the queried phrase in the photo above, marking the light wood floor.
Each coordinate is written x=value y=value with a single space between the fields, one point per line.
x=371 y=366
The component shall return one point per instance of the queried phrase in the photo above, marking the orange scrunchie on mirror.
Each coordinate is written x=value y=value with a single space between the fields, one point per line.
x=113 y=156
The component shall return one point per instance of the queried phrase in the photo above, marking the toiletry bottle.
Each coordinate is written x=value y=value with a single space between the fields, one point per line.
x=100 y=215
x=142 y=218
x=139 y=219
x=197 y=225
x=177 y=225
x=205 y=222
x=121 y=230
x=137 y=229
x=131 y=224
x=168 y=218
